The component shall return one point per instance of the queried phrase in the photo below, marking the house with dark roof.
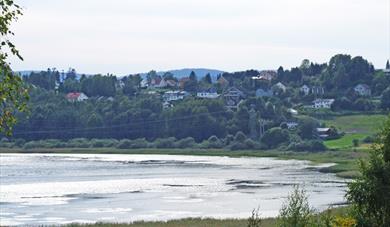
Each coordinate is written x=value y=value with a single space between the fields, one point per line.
x=362 y=90
x=210 y=93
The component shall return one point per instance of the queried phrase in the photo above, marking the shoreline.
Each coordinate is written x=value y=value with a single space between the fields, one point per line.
x=345 y=162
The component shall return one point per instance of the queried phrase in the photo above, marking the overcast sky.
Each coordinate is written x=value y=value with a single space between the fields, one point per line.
x=129 y=36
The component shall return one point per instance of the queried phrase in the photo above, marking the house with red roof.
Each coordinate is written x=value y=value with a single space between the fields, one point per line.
x=76 y=97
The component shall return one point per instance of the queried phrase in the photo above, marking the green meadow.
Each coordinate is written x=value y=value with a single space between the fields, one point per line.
x=355 y=127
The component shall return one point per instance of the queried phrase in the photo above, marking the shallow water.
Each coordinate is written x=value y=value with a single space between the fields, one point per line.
x=64 y=188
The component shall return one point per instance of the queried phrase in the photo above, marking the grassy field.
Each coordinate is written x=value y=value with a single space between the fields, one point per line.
x=191 y=222
x=355 y=127
x=206 y=222
x=345 y=160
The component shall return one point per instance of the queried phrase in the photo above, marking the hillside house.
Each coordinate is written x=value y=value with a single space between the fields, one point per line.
x=324 y=133
x=167 y=105
x=323 y=103
x=291 y=125
x=263 y=93
x=318 y=90
x=292 y=111
x=174 y=95
x=171 y=83
x=362 y=90
x=233 y=97
x=155 y=81
x=305 y=89
x=266 y=75
x=279 y=88
x=76 y=97
x=162 y=84
x=208 y=94
x=144 y=83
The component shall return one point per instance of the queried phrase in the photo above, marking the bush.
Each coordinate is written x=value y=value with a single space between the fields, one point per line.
x=124 y=144
x=229 y=138
x=32 y=145
x=19 y=142
x=79 y=143
x=254 y=220
x=250 y=144
x=214 y=142
x=296 y=210
x=97 y=143
x=308 y=145
x=237 y=146
x=275 y=136
x=240 y=137
x=165 y=142
x=368 y=139
x=139 y=143
x=185 y=143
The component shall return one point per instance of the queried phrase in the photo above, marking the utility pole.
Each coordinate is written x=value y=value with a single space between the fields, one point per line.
x=262 y=123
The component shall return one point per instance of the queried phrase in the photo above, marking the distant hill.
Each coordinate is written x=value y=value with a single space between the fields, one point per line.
x=178 y=73
x=200 y=72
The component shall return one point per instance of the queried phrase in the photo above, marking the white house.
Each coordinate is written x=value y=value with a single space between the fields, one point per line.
x=266 y=75
x=292 y=125
x=208 y=94
x=174 y=95
x=323 y=103
x=362 y=90
x=144 y=83
x=76 y=97
x=281 y=86
x=305 y=89
x=318 y=90
x=292 y=111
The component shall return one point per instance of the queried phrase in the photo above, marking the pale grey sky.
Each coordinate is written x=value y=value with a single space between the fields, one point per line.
x=129 y=36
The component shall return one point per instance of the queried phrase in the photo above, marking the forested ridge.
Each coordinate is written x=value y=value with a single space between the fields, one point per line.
x=120 y=108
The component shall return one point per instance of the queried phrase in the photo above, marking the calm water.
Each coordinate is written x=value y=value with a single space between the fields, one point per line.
x=64 y=188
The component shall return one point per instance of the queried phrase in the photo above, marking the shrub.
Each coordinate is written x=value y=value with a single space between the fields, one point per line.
x=240 y=137
x=275 y=136
x=214 y=142
x=185 y=143
x=165 y=142
x=296 y=210
x=229 y=138
x=237 y=146
x=79 y=142
x=344 y=221
x=124 y=144
x=254 y=220
x=19 y=142
x=308 y=145
x=249 y=144
x=139 y=143
x=32 y=145
x=97 y=143
x=368 y=139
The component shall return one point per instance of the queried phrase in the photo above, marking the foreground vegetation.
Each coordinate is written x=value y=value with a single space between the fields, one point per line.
x=210 y=222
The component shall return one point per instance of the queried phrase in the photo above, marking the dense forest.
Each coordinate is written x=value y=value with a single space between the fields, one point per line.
x=121 y=108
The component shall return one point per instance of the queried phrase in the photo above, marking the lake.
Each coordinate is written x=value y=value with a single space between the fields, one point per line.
x=63 y=188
